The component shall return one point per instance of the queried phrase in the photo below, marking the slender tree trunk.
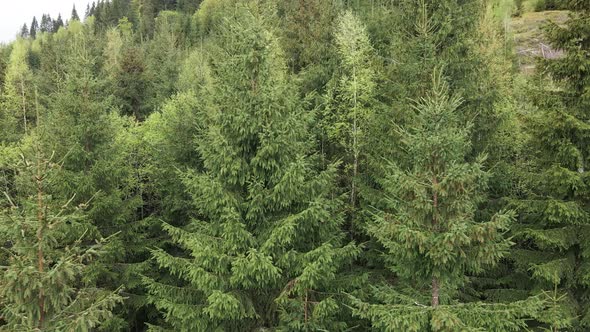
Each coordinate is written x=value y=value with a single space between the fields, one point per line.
x=435 y=281
x=40 y=230
x=22 y=92
x=435 y=292
x=355 y=150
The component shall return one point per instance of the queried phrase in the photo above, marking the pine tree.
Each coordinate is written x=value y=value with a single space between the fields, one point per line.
x=48 y=244
x=267 y=231
x=429 y=232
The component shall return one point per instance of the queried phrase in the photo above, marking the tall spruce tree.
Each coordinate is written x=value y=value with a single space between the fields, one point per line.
x=46 y=23
x=554 y=224
x=48 y=245
x=34 y=28
x=429 y=232
x=24 y=31
x=18 y=99
x=88 y=135
x=74 y=16
x=58 y=23
x=265 y=240
x=349 y=101
x=162 y=60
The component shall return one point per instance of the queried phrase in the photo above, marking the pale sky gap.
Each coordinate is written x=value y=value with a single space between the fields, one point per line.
x=13 y=14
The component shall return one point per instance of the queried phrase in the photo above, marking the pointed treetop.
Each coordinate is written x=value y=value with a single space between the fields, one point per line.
x=75 y=14
x=34 y=28
x=24 y=32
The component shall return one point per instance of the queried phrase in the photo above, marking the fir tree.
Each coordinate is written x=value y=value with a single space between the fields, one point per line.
x=266 y=231
x=429 y=232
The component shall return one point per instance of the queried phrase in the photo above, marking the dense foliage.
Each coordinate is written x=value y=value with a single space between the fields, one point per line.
x=303 y=165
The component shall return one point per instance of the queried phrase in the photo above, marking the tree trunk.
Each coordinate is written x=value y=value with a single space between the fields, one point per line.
x=40 y=230
x=435 y=292
x=435 y=282
x=22 y=92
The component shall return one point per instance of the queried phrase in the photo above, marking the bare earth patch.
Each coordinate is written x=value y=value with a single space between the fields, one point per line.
x=529 y=40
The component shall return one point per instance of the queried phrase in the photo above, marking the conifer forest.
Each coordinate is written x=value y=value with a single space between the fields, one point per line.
x=297 y=165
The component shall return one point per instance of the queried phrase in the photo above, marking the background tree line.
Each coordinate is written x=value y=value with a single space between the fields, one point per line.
x=308 y=165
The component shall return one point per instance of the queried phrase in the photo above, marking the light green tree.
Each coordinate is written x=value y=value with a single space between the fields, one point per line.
x=17 y=113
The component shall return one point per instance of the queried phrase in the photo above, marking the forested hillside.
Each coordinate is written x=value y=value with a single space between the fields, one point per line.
x=297 y=165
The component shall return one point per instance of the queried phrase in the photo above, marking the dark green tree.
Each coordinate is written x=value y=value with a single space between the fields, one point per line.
x=553 y=230
x=58 y=23
x=24 y=31
x=34 y=28
x=46 y=23
x=74 y=16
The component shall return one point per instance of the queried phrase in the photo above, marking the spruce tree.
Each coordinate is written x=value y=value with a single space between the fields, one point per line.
x=48 y=245
x=86 y=132
x=18 y=99
x=34 y=28
x=307 y=38
x=264 y=241
x=553 y=229
x=24 y=31
x=428 y=229
x=126 y=71
x=162 y=60
x=46 y=23
x=349 y=101
x=74 y=16
x=58 y=23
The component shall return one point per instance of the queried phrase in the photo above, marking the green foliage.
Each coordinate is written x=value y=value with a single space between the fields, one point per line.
x=48 y=247
x=428 y=228
x=233 y=152
x=350 y=97
x=18 y=97
x=552 y=230
x=265 y=232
